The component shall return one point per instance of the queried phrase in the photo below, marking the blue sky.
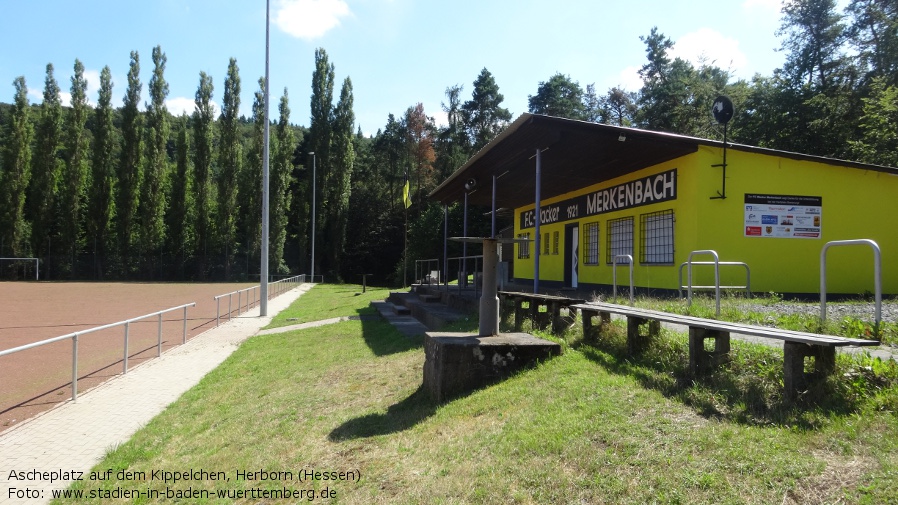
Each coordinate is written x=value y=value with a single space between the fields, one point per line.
x=397 y=52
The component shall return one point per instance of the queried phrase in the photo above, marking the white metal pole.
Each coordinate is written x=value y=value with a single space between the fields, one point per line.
x=313 y=216
x=263 y=306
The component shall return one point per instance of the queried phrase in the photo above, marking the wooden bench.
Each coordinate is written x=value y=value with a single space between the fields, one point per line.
x=797 y=345
x=553 y=305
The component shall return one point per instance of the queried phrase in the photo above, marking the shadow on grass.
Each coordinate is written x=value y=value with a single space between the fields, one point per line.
x=384 y=339
x=399 y=417
x=746 y=390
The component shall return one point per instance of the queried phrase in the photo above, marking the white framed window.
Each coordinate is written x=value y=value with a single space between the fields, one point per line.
x=591 y=243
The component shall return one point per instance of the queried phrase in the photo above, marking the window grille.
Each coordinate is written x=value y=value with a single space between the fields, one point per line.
x=619 y=239
x=546 y=246
x=555 y=243
x=591 y=244
x=656 y=238
x=524 y=247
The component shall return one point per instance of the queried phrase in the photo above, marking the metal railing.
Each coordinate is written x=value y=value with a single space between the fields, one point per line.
x=629 y=259
x=746 y=287
x=126 y=323
x=877 y=274
x=423 y=269
x=274 y=289
x=462 y=262
x=716 y=276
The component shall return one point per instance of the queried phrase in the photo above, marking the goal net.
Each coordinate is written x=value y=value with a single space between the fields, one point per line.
x=19 y=269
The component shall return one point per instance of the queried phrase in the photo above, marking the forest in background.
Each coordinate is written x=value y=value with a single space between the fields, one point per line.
x=118 y=193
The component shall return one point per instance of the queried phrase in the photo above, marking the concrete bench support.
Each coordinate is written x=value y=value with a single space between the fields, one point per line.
x=636 y=342
x=702 y=360
x=794 y=377
x=590 y=332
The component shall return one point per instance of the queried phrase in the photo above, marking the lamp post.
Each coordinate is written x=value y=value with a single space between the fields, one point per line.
x=263 y=268
x=313 y=215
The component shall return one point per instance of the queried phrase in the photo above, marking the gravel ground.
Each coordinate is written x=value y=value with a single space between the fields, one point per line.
x=834 y=311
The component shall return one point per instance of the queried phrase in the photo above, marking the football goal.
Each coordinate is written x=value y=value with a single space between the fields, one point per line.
x=19 y=268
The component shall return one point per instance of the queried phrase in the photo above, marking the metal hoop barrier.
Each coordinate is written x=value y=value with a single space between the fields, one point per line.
x=629 y=259
x=746 y=287
x=877 y=274
x=716 y=276
x=126 y=323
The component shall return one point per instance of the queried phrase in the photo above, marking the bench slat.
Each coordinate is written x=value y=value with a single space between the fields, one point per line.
x=712 y=324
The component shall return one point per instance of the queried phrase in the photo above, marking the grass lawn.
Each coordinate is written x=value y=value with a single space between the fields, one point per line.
x=328 y=301
x=591 y=426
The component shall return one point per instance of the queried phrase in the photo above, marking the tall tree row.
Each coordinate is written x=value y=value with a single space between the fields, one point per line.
x=15 y=172
x=229 y=154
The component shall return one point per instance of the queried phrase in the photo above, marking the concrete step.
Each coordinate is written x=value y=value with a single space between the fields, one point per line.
x=400 y=310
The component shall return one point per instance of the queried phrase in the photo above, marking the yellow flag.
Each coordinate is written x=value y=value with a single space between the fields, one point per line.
x=406 y=198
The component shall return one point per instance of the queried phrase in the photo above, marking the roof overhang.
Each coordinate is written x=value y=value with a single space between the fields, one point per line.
x=574 y=155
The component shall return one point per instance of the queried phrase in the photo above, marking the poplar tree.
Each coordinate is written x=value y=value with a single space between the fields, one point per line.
x=15 y=173
x=229 y=156
x=203 y=117
x=153 y=198
x=129 y=169
x=77 y=146
x=319 y=139
x=340 y=179
x=99 y=202
x=46 y=169
x=179 y=217
x=251 y=181
x=279 y=189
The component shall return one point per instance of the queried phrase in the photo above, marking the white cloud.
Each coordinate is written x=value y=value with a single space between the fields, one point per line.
x=93 y=85
x=35 y=95
x=65 y=98
x=629 y=79
x=309 y=19
x=710 y=47
x=179 y=104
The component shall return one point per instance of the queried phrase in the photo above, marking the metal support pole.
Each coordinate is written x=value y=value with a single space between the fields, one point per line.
x=75 y=368
x=217 y=311
x=537 y=240
x=184 y=341
x=229 y=307
x=493 y=214
x=464 y=246
x=446 y=246
x=125 y=357
x=159 y=338
x=263 y=307
x=314 y=189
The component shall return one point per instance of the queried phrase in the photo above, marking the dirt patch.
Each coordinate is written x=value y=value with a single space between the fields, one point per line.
x=35 y=380
x=828 y=487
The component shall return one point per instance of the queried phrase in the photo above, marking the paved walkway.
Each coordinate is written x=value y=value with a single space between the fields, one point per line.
x=76 y=436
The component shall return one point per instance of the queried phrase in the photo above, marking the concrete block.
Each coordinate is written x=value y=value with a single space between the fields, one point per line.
x=458 y=363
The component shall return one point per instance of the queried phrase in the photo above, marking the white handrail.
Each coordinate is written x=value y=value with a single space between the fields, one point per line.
x=877 y=274
x=716 y=276
x=274 y=289
x=74 y=336
x=614 y=276
x=721 y=263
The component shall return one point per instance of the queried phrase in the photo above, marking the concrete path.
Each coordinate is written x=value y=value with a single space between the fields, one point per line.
x=73 y=437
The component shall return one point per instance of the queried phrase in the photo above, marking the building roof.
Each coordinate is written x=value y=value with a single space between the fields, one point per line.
x=576 y=154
